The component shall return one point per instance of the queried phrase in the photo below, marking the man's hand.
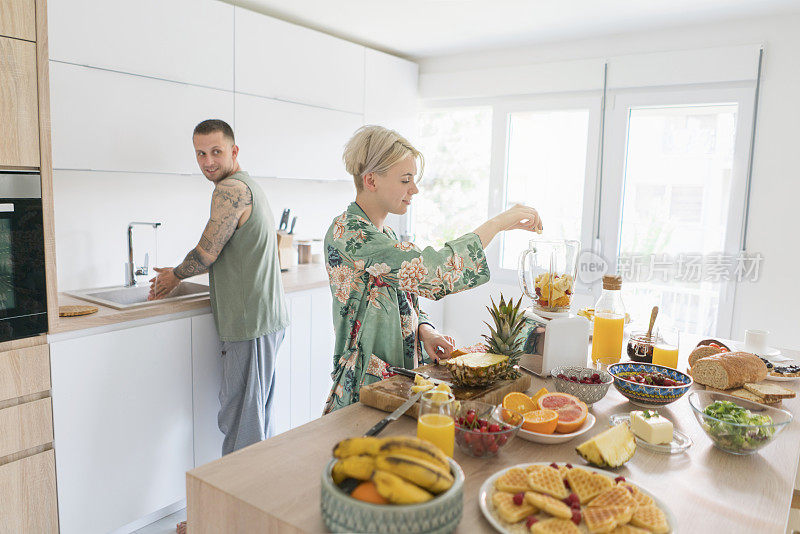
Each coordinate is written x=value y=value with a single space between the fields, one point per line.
x=436 y=345
x=163 y=284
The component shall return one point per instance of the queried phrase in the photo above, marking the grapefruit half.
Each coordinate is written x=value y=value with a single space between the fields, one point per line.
x=571 y=410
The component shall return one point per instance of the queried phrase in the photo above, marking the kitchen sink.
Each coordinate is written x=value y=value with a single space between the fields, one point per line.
x=123 y=298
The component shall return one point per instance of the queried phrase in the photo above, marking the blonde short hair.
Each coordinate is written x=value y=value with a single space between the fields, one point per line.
x=376 y=149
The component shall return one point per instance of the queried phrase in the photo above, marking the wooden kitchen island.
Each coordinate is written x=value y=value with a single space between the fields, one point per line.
x=274 y=486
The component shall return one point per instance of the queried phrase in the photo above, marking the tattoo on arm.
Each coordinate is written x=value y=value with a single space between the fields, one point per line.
x=192 y=265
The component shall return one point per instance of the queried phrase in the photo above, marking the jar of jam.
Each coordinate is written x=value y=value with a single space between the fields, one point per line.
x=640 y=347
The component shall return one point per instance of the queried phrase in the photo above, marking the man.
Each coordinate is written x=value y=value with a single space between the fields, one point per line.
x=238 y=250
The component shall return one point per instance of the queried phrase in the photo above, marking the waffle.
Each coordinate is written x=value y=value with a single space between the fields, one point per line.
x=629 y=529
x=616 y=496
x=514 y=480
x=651 y=518
x=554 y=526
x=508 y=511
x=605 y=519
x=549 y=481
x=548 y=504
x=638 y=495
x=587 y=485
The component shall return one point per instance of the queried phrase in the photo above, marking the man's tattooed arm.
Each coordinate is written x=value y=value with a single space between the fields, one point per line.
x=231 y=199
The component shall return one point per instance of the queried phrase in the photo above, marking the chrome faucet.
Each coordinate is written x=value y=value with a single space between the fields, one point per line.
x=131 y=271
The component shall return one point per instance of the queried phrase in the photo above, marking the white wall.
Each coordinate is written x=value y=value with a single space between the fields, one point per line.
x=769 y=303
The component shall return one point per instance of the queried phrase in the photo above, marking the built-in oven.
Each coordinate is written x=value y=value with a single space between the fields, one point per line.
x=23 y=300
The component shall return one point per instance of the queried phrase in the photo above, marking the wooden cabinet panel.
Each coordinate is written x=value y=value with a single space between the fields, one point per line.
x=285 y=140
x=206 y=381
x=122 y=414
x=110 y=121
x=28 y=495
x=18 y=19
x=24 y=371
x=289 y=62
x=19 y=110
x=390 y=92
x=25 y=426
x=187 y=41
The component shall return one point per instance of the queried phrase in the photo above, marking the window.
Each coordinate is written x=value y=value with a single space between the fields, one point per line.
x=456 y=144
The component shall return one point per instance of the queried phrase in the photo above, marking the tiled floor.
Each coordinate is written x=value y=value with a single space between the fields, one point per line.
x=165 y=525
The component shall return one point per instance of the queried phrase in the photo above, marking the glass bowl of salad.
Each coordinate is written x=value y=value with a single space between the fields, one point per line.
x=736 y=425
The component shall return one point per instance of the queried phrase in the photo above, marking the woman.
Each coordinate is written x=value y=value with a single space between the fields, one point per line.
x=376 y=279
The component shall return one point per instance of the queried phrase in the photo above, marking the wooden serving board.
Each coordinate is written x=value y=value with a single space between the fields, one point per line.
x=390 y=393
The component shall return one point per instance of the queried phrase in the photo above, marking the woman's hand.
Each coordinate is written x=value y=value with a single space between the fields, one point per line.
x=436 y=345
x=519 y=217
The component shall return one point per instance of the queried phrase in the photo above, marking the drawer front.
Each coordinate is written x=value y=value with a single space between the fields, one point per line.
x=25 y=426
x=18 y=19
x=24 y=371
x=28 y=495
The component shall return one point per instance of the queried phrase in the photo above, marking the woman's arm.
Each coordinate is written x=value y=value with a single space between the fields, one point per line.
x=518 y=217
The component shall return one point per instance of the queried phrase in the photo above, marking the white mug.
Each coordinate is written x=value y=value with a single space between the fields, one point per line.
x=755 y=341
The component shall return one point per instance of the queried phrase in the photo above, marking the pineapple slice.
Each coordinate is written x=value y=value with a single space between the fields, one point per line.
x=421 y=387
x=443 y=387
x=611 y=448
x=477 y=359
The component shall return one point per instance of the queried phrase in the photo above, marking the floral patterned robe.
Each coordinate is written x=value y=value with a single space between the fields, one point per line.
x=375 y=281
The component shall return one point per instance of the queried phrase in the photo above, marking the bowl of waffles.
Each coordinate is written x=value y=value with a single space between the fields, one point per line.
x=559 y=497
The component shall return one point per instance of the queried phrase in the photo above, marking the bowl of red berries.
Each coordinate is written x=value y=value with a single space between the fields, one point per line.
x=648 y=384
x=589 y=385
x=483 y=429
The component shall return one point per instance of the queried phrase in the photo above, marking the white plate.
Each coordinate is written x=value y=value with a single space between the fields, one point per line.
x=680 y=441
x=552 y=439
x=486 y=506
x=770 y=353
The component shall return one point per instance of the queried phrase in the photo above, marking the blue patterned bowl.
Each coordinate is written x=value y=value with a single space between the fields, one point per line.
x=647 y=395
x=440 y=515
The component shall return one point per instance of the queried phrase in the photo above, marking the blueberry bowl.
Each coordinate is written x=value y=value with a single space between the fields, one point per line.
x=644 y=394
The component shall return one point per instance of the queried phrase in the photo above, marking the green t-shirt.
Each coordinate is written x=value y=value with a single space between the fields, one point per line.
x=246 y=288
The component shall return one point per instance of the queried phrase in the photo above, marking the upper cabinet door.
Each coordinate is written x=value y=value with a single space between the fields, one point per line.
x=288 y=62
x=105 y=120
x=19 y=110
x=286 y=140
x=390 y=92
x=187 y=41
x=18 y=19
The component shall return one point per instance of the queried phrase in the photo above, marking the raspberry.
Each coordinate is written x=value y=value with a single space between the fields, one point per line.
x=554 y=465
x=576 y=517
x=566 y=484
x=530 y=521
x=569 y=466
x=619 y=479
x=595 y=377
x=519 y=498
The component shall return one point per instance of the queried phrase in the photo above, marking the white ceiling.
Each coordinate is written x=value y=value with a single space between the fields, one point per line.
x=423 y=28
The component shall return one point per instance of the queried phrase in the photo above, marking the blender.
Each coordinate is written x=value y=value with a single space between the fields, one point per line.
x=553 y=337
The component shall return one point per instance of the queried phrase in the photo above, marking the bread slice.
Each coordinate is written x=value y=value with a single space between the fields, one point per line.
x=729 y=370
x=702 y=352
x=746 y=395
x=770 y=392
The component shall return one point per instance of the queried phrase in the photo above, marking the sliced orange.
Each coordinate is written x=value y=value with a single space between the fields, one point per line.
x=541 y=421
x=367 y=492
x=518 y=402
x=539 y=394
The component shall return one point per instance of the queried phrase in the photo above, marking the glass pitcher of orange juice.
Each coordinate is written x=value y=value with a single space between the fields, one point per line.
x=609 y=321
x=435 y=422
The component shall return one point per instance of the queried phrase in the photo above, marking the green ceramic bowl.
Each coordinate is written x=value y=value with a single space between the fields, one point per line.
x=441 y=515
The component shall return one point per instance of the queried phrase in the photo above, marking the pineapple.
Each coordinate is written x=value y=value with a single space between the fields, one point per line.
x=610 y=448
x=505 y=335
x=477 y=368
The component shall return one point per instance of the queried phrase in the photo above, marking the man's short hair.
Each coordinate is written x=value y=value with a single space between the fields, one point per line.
x=214 y=125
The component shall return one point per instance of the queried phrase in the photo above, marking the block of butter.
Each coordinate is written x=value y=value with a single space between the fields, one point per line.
x=651 y=427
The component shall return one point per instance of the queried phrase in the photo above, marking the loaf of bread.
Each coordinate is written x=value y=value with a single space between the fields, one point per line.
x=702 y=352
x=729 y=370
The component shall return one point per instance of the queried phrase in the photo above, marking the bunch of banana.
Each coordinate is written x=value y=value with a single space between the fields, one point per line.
x=405 y=470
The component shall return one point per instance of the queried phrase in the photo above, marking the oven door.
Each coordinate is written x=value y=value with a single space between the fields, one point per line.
x=23 y=301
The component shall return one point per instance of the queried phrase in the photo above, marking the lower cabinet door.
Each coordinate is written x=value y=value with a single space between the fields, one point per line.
x=207 y=377
x=122 y=414
x=28 y=495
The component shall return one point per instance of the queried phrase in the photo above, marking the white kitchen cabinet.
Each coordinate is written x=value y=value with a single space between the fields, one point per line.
x=322 y=341
x=188 y=41
x=390 y=92
x=289 y=62
x=301 y=357
x=206 y=381
x=122 y=413
x=109 y=121
x=286 y=140
x=282 y=397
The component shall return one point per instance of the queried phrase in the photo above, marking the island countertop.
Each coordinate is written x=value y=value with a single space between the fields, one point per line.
x=274 y=486
x=298 y=278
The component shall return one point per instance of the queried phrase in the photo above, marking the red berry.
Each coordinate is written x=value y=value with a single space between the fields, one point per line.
x=575 y=506
x=467 y=438
x=573 y=378
x=576 y=517
x=501 y=439
x=493 y=448
x=566 y=484
x=596 y=376
x=530 y=521
x=471 y=412
x=619 y=479
x=477 y=449
x=494 y=427
x=470 y=417
x=519 y=498
x=569 y=466
x=554 y=465
x=483 y=422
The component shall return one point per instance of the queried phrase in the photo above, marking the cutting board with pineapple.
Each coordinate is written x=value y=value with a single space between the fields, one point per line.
x=390 y=393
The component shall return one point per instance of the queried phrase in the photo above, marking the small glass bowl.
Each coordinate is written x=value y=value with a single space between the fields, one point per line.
x=485 y=444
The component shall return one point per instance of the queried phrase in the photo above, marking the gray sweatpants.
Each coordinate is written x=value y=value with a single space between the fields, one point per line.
x=248 y=384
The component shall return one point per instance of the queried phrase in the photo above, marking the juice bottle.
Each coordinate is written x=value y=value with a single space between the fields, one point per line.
x=609 y=321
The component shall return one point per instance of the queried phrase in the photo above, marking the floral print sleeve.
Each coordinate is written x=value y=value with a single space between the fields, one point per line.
x=375 y=282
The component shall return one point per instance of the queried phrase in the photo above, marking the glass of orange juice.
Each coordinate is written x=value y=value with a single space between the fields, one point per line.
x=666 y=353
x=435 y=422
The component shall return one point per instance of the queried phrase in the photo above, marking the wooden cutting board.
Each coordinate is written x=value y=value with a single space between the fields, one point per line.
x=390 y=393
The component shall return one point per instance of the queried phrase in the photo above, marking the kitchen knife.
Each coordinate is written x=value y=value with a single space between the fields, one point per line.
x=284 y=220
x=294 y=221
x=413 y=374
x=394 y=416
